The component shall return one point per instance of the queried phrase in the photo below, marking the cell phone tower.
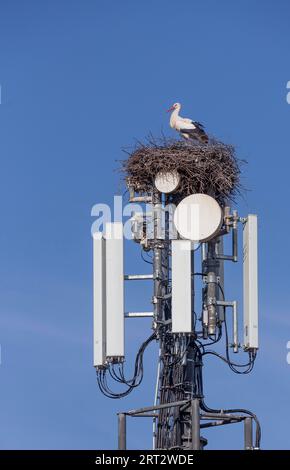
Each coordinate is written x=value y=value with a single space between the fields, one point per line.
x=184 y=191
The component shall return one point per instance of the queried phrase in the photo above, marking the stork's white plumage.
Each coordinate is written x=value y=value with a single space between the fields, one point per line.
x=186 y=127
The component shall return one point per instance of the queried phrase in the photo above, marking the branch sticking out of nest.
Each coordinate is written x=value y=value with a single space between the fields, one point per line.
x=210 y=169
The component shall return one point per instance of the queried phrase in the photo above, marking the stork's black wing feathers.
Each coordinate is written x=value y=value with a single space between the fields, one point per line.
x=198 y=134
x=198 y=124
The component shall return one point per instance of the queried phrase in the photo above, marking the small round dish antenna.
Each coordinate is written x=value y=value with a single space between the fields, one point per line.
x=167 y=181
x=198 y=218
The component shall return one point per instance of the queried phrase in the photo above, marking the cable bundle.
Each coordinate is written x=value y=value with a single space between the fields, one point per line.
x=119 y=376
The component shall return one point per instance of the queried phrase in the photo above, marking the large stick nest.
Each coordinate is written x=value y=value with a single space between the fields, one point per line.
x=211 y=168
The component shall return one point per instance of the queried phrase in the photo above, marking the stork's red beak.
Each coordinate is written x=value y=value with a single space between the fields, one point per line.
x=170 y=109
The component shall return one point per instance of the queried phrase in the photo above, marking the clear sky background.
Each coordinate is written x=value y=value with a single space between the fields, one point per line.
x=80 y=80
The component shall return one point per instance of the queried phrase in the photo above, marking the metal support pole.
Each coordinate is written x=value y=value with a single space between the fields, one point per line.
x=192 y=292
x=234 y=256
x=234 y=306
x=157 y=257
x=211 y=302
x=138 y=314
x=121 y=431
x=137 y=277
x=221 y=275
x=165 y=263
x=248 y=433
x=235 y=328
x=195 y=424
x=210 y=268
x=235 y=244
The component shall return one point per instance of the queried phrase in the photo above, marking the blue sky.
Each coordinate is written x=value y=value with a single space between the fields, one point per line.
x=80 y=80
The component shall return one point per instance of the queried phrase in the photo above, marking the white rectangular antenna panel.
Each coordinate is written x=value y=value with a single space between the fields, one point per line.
x=181 y=286
x=114 y=291
x=250 y=268
x=99 y=292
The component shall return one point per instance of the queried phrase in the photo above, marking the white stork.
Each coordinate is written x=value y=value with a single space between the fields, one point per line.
x=186 y=127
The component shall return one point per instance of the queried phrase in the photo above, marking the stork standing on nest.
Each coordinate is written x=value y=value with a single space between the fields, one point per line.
x=186 y=127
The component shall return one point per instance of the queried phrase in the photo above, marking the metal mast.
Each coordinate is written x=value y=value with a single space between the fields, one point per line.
x=184 y=334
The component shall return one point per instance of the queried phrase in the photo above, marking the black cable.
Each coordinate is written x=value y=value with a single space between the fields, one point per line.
x=228 y=360
x=135 y=381
x=146 y=261
x=237 y=410
x=214 y=353
x=231 y=364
